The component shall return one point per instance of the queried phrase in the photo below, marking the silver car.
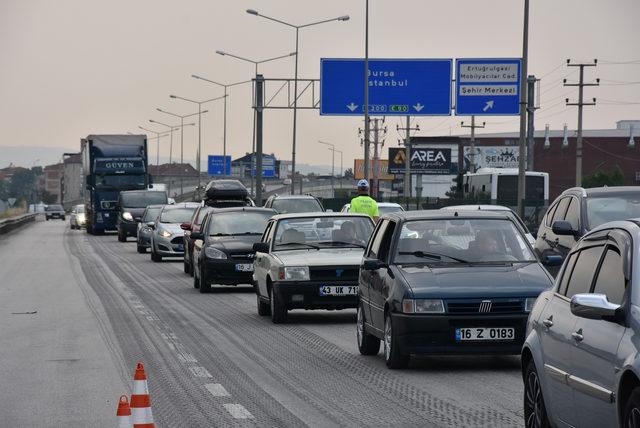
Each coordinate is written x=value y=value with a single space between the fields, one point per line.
x=144 y=230
x=167 y=238
x=309 y=261
x=77 y=218
x=580 y=360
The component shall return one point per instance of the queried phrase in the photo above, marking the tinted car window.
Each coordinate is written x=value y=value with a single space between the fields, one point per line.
x=238 y=223
x=561 y=210
x=385 y=245
x=601 y=210
x=562 y=288
x=611 y=281
x=573 y=213
x=176 y=215
x=284 y=206
x=585 y=267
x=54 y=208
x=151 y=214
x=549 y=216
x=377 y=240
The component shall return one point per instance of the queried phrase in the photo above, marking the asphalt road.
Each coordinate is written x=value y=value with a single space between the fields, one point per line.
x=211 y=360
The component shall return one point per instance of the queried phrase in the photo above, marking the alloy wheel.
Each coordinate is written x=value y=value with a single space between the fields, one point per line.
x=533 y=401
x=359 y=326
x=388 y=337
x=633 y=420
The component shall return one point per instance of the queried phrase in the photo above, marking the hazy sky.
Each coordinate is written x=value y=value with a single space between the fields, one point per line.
x=69 y=68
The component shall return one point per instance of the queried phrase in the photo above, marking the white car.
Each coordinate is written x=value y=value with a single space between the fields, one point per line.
x=309 y=261
x=497 y=208
x=383 y=207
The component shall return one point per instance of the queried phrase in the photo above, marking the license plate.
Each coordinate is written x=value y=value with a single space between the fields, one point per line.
x=484 y=333
x=244 y=267
x=338 y=290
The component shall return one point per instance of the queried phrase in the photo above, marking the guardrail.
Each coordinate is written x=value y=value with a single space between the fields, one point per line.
x=9 y=224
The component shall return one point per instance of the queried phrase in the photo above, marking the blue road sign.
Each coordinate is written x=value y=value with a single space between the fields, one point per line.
x=397 y=87
x=216 y=165
x=488 y=87
x=268 y=166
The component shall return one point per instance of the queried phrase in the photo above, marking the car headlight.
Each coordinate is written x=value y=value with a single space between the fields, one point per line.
x=127 y=216
x=294 y=273
x=422 y=306
x=165 y=233
x=214 y=253
x=529 y=302
x=81 y=218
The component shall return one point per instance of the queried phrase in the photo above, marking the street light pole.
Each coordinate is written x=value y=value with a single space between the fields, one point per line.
x=366 y=93
x=255 y=63
x=157 y=145
x=224 y=141
x=295 y=81
x=341 y=173
x=332 y=147
x=523 y=113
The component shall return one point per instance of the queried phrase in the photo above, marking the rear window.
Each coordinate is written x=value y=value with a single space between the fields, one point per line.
x=54 y=208
x=285 y=206
x=142 y=199
x=177 y=215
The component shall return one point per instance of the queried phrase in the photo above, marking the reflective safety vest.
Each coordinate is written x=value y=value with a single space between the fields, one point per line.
x=364 y=204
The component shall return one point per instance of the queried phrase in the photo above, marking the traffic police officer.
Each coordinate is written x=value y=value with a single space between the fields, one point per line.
x=363 y=203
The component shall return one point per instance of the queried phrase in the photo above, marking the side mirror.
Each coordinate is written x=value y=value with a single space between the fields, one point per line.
x=552 y=260
x=197 y=235
x=261 y=247
x=151 y=225
x=372 y=264
x=593 y=306
x=563 y=227
x=185 y=226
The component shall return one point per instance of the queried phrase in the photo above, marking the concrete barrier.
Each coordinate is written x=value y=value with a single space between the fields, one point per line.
x=9 y=224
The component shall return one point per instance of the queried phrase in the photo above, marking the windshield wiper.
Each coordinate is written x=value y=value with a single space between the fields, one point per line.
x=434 y=256
x=315 y=247
x=245 y=233
x=221 y=234
x=355 y=244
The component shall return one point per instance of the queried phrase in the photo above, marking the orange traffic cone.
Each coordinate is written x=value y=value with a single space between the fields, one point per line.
x=124 y=413
x=140 y=400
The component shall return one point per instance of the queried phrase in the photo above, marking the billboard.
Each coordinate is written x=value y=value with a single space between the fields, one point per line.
x=382 y=173
x=493 y=157
x=424 y=160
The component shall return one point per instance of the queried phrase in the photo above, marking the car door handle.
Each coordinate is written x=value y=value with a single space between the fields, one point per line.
x=577 y=336
x=548 y=322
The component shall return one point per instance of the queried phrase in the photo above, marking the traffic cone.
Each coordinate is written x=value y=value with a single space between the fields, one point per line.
x=124 y=413
x=140 y=400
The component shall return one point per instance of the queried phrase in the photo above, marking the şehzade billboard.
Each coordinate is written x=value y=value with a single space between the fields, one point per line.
x=493 y=156
x=424 y=160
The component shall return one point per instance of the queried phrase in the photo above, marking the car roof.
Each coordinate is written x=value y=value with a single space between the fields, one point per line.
x=182 y=205
x=156 y=206
x=294 y=197
x=380 y=204
x=242 y=209
x=600 y=191
x=143 y=191
x=476 y=207
x=445 y=215
x=317 y=214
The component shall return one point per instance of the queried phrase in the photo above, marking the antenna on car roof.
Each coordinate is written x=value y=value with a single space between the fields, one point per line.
x=455 y=214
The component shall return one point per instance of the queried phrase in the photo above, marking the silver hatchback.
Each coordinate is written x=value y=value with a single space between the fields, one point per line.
x=167 y=238
x=581 y=360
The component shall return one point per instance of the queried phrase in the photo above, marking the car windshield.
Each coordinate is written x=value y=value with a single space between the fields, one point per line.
x=119 y=182
x=238 y=223
x=151 y=214
x=79 y=209
x=177 y=215
x=323 y=231
x=385 y=209
x=54 y=208
x=142 y=199
x=306 y=205
x=602 y=210
x=462 y=241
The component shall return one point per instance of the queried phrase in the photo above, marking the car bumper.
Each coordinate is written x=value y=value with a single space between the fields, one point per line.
x=55 y=215
x=306 y=295
x=225 y=272
x=435 y=334
x=130 y=228
x=166 y=248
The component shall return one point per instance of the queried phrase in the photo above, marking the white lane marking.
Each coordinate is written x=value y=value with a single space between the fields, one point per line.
x=198 y=371
x=217 y=390
x=238 y=411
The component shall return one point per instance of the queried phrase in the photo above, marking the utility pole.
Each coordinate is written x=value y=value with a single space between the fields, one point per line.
x=531 y=110
x=407 y=158
x=522 y=143
x=259 y=97
x=366 y=91
x=580 y=104
x=472 y=150
x=376 y=156
x=378 y=141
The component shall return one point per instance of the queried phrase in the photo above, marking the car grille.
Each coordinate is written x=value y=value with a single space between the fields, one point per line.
x=334 y=273
x=242 y=256
x=485 y=306
x=177 y=240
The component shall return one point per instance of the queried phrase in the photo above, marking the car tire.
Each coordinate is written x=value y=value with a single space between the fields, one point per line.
x=63 y=218
x=155 y=257
x=392 y=355
x=535 y=412
x=367 y=343
x=196 y=281
x=631 y=413
x=141 y=249
x=47 y=218
x=186 y=267
x=277 y=308
x=191 y=265
x=205 y=287
x=263 y=308
x=122 y=237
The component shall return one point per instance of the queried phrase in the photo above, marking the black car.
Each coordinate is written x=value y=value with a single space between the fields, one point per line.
x=435 y=282
x=131 y=206
x=194 y=225
x=223 y=247
x=288 y=204
x=577 y=211
x=54 y=211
